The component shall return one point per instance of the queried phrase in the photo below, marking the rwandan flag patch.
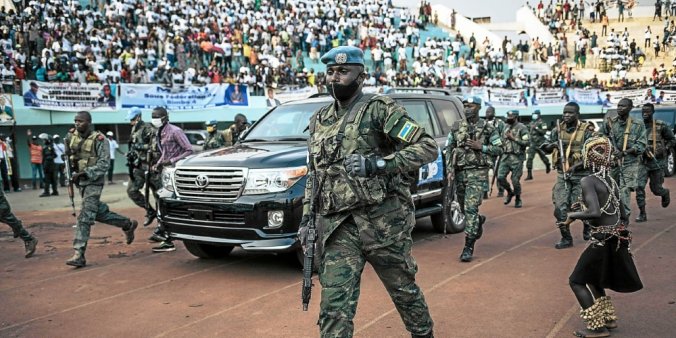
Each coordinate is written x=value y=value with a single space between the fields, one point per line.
x=407 y=131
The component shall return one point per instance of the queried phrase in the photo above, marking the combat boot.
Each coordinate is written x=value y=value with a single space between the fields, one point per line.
x=485 y=195
x=508 y=198
x=429 y=335
x=480 y=229
x=666 y=199
x=30 y=245
x=517 y=202
x=468 y=250
x=150 y=217
x=78 y=260
x=642 y=217
x=548 y=167
x=566 y=238
x=529 y=177
x=129 y=233
x=586 y=231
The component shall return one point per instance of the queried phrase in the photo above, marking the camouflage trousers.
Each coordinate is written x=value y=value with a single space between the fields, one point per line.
x=514 y=164
x=342 y=263
x=530 y=156
x=93 y=210
x=564 y=194
x=625 y=177
x=6 y=216
x=654 y=172
x=470 y=186
x=136 y=185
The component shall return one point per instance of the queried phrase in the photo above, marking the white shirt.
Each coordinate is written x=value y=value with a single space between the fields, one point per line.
x=113 y=147
x=59 y=149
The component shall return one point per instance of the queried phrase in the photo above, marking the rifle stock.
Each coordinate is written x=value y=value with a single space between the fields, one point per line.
x=146 y=175
x=495 y=174
x=562 y=154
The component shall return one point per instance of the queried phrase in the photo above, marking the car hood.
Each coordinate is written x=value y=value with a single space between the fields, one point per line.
x=258 y=155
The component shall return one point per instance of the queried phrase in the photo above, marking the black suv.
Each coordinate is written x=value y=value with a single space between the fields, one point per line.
x=250 y=195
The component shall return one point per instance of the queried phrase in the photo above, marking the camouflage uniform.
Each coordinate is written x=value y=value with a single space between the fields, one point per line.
x=143 y=141
x=471 y=168
x=512 y=159
x=626 y=135
x=91 y=156
x=567 y=189
x=6 y=216
x=217 y=140
x=499 y=126
x=660 y=139
x=230 y=135
x=537 y=130
x=366 y=219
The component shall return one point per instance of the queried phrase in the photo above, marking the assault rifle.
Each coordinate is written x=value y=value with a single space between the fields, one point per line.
x=69 y=179
x=146 y=175
x=495 y=174
x=309 y=255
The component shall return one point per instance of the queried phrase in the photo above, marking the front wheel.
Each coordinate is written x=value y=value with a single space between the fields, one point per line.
x=207 y=251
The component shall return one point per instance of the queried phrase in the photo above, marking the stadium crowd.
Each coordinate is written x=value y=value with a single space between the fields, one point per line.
x=270 y=43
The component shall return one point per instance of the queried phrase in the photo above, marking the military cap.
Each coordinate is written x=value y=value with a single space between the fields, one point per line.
x=537 y=111
x=514 y=112
x=343 y=55
x=133 y=113
x=211 y=123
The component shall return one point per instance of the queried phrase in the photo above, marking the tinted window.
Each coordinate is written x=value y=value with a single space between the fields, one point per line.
x=417 y=110
x=284 y=121
x=666 y=116
x=447 y=112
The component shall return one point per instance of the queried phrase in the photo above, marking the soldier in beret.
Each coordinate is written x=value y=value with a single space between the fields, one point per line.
x=362 y=148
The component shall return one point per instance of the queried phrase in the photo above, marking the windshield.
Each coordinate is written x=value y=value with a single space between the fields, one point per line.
x=286 y=122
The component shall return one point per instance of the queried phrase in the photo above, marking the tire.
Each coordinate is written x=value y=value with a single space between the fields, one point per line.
x=438 y=222
x=670 y=170
x=207 y=251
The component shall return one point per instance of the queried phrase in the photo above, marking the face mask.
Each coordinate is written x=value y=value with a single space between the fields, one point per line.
x=343 y=92
x=510 y=121
x=535 y=117
x=157 y=122
x=470 y=113
x=211 y=129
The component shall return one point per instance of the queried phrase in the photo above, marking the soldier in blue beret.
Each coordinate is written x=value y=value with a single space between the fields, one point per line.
x=360 y=145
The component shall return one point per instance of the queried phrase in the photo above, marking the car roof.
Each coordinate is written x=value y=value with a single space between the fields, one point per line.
x=326 y=98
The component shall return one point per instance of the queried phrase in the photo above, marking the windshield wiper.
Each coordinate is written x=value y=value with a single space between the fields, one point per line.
x=253 y=140
x=292 y=139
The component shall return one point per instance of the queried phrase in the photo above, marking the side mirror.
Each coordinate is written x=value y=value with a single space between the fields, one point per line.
x=200 y=142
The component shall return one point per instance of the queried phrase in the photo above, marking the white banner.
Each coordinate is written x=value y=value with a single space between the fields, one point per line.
x=183 y=97
x=551 y=96
x=69 y=96
x=669 y=95
x=6 y=110
x=586 y=96
x=506 y=97
x=637 y=96
x=295 y=93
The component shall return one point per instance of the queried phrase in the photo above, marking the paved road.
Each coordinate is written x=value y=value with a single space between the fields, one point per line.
x=516 y=287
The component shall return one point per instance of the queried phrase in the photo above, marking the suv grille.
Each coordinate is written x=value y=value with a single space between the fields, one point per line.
x=221 y=184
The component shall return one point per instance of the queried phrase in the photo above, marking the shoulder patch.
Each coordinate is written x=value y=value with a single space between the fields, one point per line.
x=407 y=131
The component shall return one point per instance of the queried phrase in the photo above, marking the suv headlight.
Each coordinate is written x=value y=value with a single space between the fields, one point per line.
x=263 y=181
x=168 y=179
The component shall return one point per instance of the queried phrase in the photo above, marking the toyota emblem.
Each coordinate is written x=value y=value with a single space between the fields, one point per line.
x=202 y=181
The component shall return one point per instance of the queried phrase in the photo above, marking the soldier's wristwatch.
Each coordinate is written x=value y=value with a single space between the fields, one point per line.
x=380 y=164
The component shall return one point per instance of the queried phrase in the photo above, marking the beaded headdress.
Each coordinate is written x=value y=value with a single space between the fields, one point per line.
x=597 y=154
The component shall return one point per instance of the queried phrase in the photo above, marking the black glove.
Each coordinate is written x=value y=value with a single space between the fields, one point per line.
x=630 y=151
x=303 y=231
x=358 y=165
x=78 y=176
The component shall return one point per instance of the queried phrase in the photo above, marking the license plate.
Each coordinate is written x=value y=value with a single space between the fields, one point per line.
x=201 y=215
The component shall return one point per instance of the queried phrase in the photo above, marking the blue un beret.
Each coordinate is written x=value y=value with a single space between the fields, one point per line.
x=473 y=99
x=211 y=123
x=343 y=55
x=133 y=113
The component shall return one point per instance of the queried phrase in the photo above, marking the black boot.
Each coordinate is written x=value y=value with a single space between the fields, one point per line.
x=45 y=194
x=480 y=229
x=485 y=195
x=517 y=202
x=508 y=198
x=666 y=199
x=468 y=250
x=429 y=335
x=586 y=231
x=566 y=238
x=548 y=167
x=129 y=232
x=529 y=177
x=642 y=217
x=150 y=216
x=78 y=260
x=30 y=245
